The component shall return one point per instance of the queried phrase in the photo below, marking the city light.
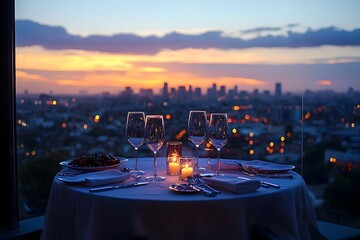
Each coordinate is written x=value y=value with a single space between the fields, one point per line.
x=181 y=134
x=97 y=118
x=236 y=108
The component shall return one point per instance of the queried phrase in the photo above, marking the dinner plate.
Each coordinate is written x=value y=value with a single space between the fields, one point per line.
x=267 y=167
x=184 y=188
x=122 y=161
x=104 y=176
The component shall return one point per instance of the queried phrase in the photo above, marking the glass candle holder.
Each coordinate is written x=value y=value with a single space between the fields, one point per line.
x=173 y=154
x=187 y=167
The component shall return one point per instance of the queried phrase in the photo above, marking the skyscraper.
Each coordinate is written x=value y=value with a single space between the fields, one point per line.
x=165 y=90
x=277 y=89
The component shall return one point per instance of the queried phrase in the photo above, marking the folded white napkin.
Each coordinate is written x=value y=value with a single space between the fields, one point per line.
x=234 y=184
x=105 y=177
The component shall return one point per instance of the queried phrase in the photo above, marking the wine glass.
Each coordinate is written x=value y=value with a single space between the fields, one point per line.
x=135 y=131
x=197 y=129
x=154 y=139
x=218 y=133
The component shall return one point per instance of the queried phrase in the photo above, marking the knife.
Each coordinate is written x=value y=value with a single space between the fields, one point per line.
x=100 y=189
x=270 y=184
x=263 y=183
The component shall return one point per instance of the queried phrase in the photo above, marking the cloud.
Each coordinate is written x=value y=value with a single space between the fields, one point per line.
x=262 y=29
x=292 y=25
x=325 y=82
x=29 y=33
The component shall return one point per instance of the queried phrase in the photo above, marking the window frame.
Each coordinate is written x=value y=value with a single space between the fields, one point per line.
x=9 y=219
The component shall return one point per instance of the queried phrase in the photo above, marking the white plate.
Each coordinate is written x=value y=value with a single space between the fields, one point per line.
x=184 y=188
x=80 y=178
x=268 y=167
x=122 y=161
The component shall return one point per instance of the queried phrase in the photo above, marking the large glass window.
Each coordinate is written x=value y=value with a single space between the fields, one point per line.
x=288 y=83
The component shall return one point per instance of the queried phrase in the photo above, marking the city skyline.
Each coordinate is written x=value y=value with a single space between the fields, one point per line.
x=251 y=45
x=169 y=91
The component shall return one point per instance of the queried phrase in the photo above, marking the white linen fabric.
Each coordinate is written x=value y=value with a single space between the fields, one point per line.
x=234 y=184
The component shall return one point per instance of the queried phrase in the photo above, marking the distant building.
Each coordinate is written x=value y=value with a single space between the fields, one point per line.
x=278 y=90
x=172 y=92
x=165 y=90
x=190 y=93
x=182 y=92
x=128 y=92
x=222 y=91
x=266 y=93
x=197 y=92
x=146 y=92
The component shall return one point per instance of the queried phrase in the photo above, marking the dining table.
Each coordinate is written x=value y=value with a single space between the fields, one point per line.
x=157 y=211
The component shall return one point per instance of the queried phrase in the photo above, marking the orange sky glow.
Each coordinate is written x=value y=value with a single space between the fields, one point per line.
x=71 y=71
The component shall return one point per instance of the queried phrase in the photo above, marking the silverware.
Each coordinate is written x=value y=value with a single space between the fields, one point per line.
x=100 y=189
x=248 y=170
x=201 y=182
x=263 y=183
x=71 y=173
x=207 y=192
x=74 y=172
x=270 y=184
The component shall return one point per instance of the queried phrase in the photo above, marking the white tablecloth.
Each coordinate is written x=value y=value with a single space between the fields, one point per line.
x=154 y=211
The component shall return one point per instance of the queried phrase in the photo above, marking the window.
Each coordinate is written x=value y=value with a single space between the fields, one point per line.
x=300 y=128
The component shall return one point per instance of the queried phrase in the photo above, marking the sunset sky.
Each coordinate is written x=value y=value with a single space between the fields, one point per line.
x=68 y=46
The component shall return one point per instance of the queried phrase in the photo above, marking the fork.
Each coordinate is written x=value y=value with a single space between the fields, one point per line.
x=207 y=192
x=200 y=181
x=248 y=170
x=71 y=173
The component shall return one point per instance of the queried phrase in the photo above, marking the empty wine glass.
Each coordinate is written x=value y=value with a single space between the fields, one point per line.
x=197 y=129
x=154 y=139
x=135 y=131
x=218 y=133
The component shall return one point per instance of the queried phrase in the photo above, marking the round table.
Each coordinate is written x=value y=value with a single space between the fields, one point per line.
x=153 y=211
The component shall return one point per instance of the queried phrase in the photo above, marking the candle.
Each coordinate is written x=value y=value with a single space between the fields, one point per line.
x=173 y=153
x=186 y=172
x=174 y=168
x=187 y=164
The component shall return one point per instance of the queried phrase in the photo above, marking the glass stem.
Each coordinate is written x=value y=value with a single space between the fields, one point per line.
x=218 y=162
x=136 y=159
x=197 y=156
x=155 y=164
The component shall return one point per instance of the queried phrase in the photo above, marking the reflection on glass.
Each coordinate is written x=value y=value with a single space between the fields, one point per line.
x=197 y=129
x=154 y=139
x=134 y=131
x=218 y=133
